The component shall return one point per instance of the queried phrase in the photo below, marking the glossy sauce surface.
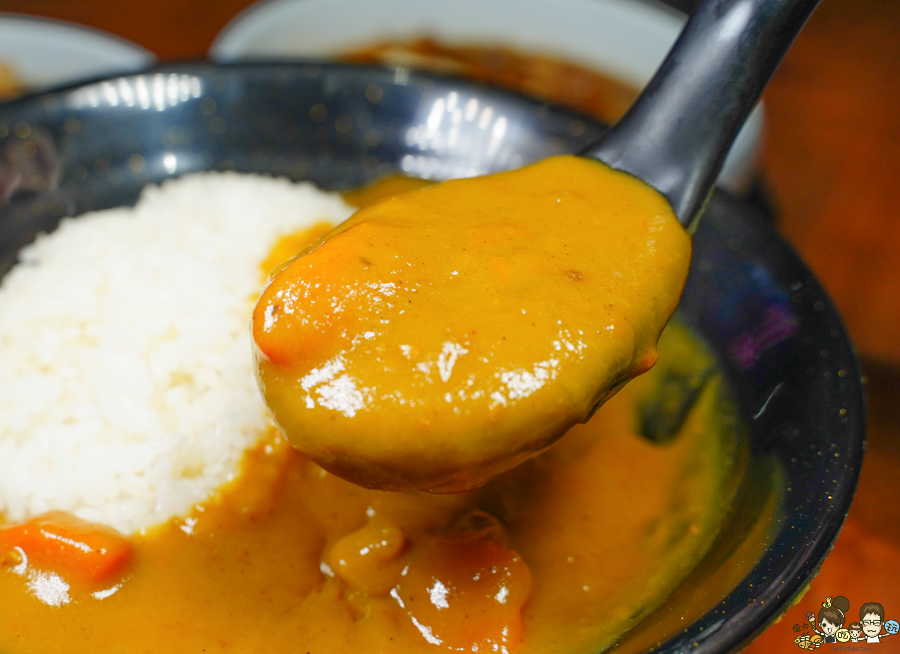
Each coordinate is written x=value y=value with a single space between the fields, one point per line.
x=562 y=554
x=444 y=335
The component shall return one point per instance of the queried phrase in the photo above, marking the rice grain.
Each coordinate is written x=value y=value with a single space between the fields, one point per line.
x=126 y=387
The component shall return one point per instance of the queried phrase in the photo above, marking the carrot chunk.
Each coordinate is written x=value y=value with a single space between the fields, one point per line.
x=79 y=550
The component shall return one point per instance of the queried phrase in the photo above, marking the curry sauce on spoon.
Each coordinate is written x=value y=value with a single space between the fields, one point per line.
x=441 y=337
x=444 y=335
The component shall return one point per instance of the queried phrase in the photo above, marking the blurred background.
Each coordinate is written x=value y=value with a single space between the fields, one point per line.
x=829 y=169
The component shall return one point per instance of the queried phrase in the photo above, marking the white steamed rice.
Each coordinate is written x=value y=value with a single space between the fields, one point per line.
x=126 y=384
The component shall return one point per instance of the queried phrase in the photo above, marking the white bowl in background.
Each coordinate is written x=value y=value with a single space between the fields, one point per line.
x=627 y=39
x=44 y=53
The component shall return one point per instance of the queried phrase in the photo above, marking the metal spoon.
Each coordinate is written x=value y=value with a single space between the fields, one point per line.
x=675 y=137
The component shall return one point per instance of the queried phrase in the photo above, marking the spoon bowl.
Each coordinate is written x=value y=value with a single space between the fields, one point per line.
x=349 y=336
x=676 y=135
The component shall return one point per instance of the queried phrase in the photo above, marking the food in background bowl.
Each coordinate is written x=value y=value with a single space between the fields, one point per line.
x=10 y=85
x=37 y=53
x=549 y=78
x=625 y=40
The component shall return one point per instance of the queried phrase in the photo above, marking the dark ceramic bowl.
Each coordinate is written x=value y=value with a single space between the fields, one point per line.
x=774 y=330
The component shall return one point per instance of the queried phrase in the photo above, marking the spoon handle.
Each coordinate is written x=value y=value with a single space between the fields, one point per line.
x=675 y=137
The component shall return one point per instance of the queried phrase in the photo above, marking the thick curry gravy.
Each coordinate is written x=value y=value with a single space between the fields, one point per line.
x=564 y=553
x=444 y=335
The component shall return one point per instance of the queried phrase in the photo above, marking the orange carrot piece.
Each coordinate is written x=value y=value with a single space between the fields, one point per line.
x=84 y=551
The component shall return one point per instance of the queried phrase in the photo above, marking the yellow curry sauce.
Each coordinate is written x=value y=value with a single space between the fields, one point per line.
x=244 y=571
x=441 y=336
x=562 y=554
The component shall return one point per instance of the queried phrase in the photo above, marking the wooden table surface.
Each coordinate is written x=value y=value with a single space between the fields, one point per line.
x=832 y=165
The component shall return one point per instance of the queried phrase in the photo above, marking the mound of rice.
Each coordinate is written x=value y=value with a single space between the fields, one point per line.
x=126 y=386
